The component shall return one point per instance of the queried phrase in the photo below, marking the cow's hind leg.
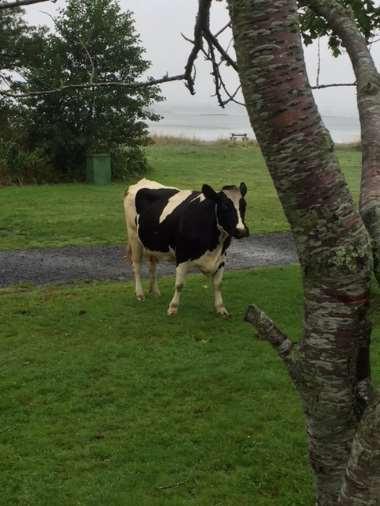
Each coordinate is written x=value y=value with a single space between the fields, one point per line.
x=136 y=253
x=217 y=279
x=153 y=284
x=180 y=275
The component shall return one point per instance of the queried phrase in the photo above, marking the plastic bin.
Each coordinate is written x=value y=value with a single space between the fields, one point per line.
x=98 y=168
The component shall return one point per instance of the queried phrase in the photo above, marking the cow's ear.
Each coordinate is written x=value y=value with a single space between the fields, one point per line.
x=243 y=189
x=209 y=192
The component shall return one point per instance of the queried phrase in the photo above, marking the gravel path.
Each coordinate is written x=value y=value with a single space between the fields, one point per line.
x=63 y=265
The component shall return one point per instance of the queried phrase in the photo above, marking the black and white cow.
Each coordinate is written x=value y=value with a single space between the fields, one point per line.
x=189 y=227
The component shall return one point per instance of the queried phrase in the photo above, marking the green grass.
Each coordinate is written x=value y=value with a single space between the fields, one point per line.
x=106 y=400
x=79 y=214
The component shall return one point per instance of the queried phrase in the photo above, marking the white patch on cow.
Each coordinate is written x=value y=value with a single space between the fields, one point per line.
x=160 y=255
x=209 y=262
x=235 y=196
x=173 y=203
x=130 y=199
x=199 y=197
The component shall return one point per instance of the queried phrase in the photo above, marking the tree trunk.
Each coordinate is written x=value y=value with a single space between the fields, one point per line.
x=342 y=22
x=362 y=481
x=329 y=366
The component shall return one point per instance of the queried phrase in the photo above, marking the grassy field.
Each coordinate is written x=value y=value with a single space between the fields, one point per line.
x=79 y=214
x=106 y=400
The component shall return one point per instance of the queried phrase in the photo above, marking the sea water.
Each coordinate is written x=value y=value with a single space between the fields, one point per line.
x=216 y=124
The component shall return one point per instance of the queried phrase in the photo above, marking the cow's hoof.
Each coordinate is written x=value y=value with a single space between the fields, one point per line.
x=172 y=310
x=222 y=311
x=140 y=297
x=155 y=292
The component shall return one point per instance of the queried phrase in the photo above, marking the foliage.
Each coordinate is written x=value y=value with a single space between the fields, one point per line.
x=19 y=166
x=20 y=45
x=128 y=161
x=94 y=40
x=71 y=208
x=365 y=12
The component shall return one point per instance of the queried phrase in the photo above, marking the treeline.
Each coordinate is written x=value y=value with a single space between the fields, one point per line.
x=46 y=136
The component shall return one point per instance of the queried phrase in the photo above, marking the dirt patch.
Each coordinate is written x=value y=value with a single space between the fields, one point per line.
x=87 y=263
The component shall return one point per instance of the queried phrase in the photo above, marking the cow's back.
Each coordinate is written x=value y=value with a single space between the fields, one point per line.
x=130 y=199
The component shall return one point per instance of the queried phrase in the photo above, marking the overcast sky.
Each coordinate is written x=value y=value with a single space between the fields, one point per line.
x=160 y=23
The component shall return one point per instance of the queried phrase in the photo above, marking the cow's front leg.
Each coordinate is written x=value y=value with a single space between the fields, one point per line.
x=217 y=279
x=180 y=275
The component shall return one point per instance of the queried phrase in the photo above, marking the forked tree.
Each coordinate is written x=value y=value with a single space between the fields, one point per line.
x=341 y=20
x=330 y=365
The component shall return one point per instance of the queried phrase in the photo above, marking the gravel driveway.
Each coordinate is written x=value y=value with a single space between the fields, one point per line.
x=63 y=265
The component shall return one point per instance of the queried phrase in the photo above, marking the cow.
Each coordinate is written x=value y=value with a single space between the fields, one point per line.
x=189 y=227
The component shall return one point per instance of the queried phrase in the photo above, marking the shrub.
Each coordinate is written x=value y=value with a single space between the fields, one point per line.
x=128 y=161
x=18 y=166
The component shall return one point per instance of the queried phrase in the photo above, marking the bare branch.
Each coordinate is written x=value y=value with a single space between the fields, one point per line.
x=319 y=61
x=228 y=25
x=268 y=331
x=332 y=85
x=20 y=3
x=91 y=60
x=213 y=40
x=104 y=84
x=231 y=96
x=215 y=74
x=201 y=21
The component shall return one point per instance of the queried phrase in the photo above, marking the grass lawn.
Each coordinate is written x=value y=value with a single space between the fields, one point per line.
x=108 y=401
x=79 y=214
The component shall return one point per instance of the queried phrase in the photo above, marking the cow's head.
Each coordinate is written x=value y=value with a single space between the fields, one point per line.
x=230 y=208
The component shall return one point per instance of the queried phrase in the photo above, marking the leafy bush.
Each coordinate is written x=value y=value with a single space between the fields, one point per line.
x=18 y=166
x=127 y=161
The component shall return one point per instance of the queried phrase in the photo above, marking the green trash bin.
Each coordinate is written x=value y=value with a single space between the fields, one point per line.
x=98 y=168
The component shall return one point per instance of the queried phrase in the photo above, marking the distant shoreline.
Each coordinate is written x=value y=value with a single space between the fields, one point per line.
x=196 y=141
x=211 y=125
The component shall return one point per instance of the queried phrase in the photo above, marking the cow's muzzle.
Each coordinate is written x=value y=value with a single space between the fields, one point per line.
x=239 y=234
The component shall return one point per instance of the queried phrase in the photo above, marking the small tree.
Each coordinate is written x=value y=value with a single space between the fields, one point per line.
x=94 y=41
x=19 y=45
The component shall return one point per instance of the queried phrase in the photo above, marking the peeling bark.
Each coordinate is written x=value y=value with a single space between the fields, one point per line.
x=341 y=20
x=332 y=242
x=361 y=485
x=267 y=330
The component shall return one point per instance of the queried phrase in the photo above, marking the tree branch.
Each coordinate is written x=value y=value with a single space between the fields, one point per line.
x=361 y=484
x=20 y=3
x=104 y=84
x=214 y=41
x=228 y=25
x=201 y=22
x=268 y=331
x=332 y=85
